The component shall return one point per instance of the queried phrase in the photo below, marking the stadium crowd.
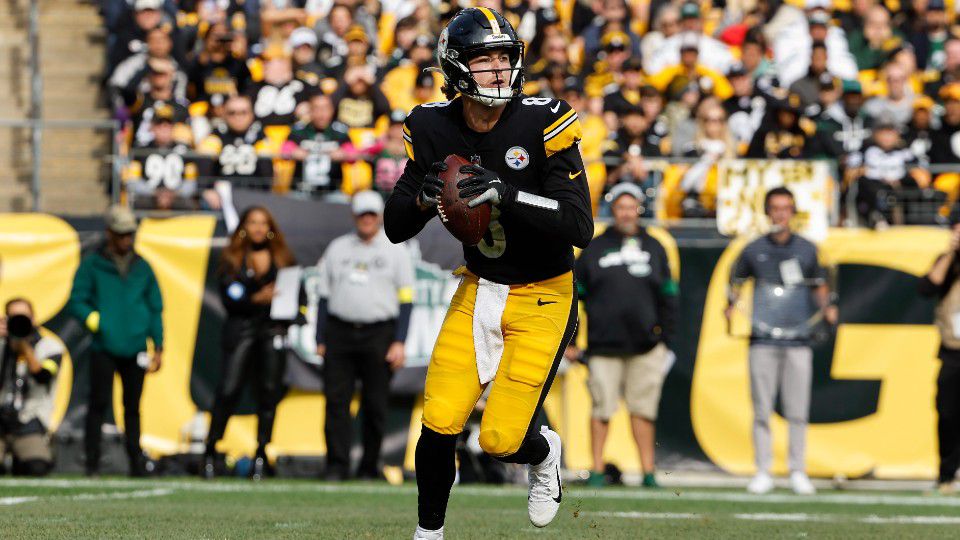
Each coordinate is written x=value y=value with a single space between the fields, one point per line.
x=310 y=96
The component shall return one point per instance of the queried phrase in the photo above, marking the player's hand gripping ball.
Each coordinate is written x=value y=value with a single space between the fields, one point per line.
x=465 y=223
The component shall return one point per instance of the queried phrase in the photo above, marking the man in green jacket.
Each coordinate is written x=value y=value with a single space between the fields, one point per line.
x=116 y=296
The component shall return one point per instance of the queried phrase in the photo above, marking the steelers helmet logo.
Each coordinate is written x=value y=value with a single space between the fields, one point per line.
x=517 y=158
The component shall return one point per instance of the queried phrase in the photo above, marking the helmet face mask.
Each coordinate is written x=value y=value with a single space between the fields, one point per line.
x=474 y=32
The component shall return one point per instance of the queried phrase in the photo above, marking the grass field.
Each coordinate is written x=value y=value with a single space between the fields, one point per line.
x=186 y=508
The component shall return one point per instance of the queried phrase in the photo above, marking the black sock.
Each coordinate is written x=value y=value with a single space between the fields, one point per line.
x=533 y=451
x=436 y=470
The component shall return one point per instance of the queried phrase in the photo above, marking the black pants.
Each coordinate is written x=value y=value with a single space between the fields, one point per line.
x=248 y=355
x=356 y=352
x=102 y=367
x=948 y=419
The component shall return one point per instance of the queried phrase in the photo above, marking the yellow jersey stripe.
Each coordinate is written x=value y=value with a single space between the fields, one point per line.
x=494 y=25
x=564 y=138
x=50 y=366
x=406 y=131
x=559 y=121
x=559 y=129
x=405 y=295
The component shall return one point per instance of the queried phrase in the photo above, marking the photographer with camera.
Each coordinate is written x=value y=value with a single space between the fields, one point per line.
x=28 y=371
x=942 y=282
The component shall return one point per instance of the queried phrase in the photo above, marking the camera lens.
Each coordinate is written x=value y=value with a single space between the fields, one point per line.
x=19 y=326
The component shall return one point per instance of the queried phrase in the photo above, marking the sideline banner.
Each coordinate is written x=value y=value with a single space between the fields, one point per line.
x=872 y=408
x=742 y=185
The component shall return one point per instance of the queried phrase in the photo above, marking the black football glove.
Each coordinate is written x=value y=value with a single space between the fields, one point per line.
x=484 y=183
x=432 y=185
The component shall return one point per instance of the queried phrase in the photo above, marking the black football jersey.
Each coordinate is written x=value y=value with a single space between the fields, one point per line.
x=239 y=157
x=277 y=105
x=534 y=148
x=168 y=167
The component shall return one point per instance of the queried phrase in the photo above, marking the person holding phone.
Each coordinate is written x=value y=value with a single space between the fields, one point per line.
x=253 y=351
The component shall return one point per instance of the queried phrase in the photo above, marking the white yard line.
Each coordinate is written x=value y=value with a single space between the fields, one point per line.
x=793 y=517
x=232 y=486
x=139 y=494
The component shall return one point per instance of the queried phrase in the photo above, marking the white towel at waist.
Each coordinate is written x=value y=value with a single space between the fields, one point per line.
x=487 y=332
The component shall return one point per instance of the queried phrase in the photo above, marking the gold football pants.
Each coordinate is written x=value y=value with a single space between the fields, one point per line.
x=538 y=322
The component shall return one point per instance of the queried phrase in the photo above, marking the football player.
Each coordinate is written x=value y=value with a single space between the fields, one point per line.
x=515 y=309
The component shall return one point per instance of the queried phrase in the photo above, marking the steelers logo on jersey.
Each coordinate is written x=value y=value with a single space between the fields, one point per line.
x=517 y=158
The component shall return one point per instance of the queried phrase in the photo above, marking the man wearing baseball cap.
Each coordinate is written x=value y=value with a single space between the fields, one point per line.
x=626 y=341
x=116 y=297
x=366 y=297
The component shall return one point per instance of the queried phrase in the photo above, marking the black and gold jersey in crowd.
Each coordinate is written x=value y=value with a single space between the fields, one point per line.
x=276 y=105
x=534 y=150
x=237 y=156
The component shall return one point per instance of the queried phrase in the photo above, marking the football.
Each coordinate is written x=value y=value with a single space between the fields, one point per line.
x=466 y=224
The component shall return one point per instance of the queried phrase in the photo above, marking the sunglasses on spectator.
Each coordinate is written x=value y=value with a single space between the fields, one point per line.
x=237 y=112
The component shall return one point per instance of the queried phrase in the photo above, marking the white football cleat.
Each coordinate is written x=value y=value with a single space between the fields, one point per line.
x=545 y=493
x=801 y=483
x=424 y=534
x=760 y=484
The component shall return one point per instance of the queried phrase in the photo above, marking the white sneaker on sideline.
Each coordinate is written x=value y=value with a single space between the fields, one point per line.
x=545 y=493
x=801 y=483
x=760 y=484
x=424 y=534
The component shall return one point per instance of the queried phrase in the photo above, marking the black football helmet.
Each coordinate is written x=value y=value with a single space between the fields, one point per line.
x=471 y=32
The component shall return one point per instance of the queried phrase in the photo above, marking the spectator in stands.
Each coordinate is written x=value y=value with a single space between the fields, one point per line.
x=279 y=99
x=216 y=69
x=607 y=68
x=132 y=32
x=944 y=150
x=238 y=151
x=613 y=14
x=883 y=170
x=787 y=279
x=651 y=103
x=162 y=175
x=625 y=96
x=711 y=143
x=389 y=156
x=691 y=70
x=626 y=161
x=129 y=77
x=753 y=55
x=116 y=297
x=303 y=43
x=359 y=103
x=408 y=84
x=873 y=43
x=897 y=104
x=159 y=93
x=793 y=41
x=808 y=86
x=842 y=127
x=319 y=147
x=626 y=341
x=28 y=377
x=653 y=44
x=951 y=68
x=745 y=109
x=366 y=295
x=928 y=36
x=920 y=129
x=358 y=52
x=332 y=29
x=784 y=133
x=941 y=282
x=251 y=354
x=712 y=53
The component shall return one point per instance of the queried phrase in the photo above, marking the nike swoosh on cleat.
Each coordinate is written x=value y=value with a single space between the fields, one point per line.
x=559 y=496
x=572 y=175
x=542 y=303
x=555 y=108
